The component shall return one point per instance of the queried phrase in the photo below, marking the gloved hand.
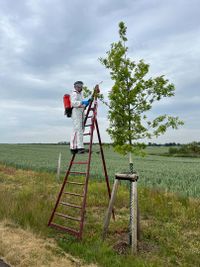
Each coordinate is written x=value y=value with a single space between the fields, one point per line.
x=85 y=102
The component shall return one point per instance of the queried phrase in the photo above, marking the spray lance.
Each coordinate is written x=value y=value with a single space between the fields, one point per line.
x=95 y=94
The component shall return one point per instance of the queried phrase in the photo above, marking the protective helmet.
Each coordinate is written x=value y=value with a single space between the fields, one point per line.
x=78 y=83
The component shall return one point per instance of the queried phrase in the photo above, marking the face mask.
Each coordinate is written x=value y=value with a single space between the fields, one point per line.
x=78 y=88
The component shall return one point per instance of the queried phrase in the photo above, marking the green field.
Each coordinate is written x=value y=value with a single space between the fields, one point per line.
x=156 y=170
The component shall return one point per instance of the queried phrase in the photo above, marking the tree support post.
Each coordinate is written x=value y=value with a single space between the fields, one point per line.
x=132 y=178
x=110 y=208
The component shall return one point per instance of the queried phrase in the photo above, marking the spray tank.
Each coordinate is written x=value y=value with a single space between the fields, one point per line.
x=67 y=105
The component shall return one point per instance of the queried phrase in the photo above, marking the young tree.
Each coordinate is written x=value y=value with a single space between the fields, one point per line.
x=131 y=97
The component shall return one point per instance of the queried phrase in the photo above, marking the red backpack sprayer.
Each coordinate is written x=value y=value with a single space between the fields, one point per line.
x=67 y=105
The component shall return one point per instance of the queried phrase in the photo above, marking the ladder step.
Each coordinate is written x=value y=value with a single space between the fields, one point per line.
x=87 y=134
x=67 y=217
x=69 y=182
x=64 y=228
x=88 y=125
x=89 y=117
x=80 y=162
x=78 y=172
x=73 y=194
x=70 y=205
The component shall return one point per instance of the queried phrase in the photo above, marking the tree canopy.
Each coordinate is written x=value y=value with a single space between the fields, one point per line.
x=132 y=97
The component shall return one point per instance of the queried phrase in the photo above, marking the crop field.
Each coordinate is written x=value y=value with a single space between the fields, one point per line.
x=156 y=170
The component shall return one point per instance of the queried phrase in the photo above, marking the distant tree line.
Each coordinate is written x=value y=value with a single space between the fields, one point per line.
x=170 y=144
x=63 y=143
x=165 y=144
x=191 y=149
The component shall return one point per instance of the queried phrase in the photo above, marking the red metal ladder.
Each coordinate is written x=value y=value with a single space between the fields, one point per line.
x=74 y=199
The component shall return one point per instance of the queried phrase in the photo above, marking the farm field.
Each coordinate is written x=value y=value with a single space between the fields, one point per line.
x=171 y=174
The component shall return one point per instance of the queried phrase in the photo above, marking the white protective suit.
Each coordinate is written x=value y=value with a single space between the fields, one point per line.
x=78 y=121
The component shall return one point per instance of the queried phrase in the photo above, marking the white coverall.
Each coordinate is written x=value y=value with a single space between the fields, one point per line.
x=78 y=121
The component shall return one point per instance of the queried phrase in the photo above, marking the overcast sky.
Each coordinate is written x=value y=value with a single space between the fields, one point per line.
x=46 y=45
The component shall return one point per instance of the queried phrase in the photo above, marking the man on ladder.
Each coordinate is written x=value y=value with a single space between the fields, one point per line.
x=78 y=107
x=71 y=201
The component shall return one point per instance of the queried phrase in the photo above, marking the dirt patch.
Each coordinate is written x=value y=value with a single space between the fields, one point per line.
x=20 y=248
x=3 y=264
x=8 y=170
x=121 y=247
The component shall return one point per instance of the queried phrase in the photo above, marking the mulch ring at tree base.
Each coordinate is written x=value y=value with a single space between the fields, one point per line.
x=122 y=247
x=3 y=264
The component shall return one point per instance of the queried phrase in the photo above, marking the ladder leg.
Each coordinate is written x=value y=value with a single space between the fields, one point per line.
x=110 y=208
x=104 y=163
x=86 y=183
x=61 y=191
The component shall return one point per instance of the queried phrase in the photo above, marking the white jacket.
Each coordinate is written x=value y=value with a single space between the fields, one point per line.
x=78 y=120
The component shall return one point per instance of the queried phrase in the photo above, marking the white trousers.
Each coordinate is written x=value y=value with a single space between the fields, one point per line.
x=78 y=128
